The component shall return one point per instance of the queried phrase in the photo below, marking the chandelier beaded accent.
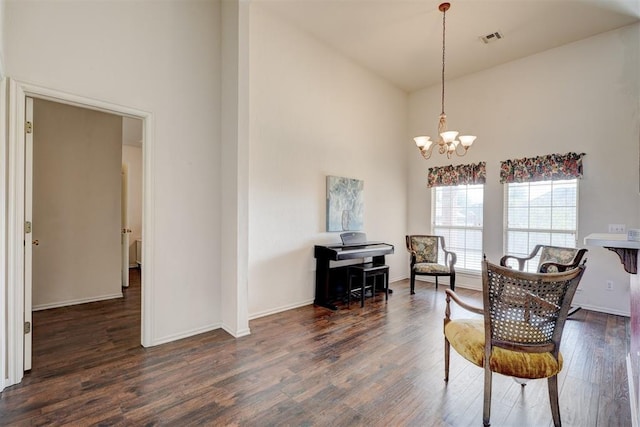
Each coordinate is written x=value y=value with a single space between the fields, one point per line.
x=447 y=142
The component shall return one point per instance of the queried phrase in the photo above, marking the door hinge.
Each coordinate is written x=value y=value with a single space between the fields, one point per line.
x=27 y=327
x=27 y=227
x=28 y=127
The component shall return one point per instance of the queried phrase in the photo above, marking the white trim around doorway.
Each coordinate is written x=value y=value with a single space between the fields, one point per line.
x=3 y=230
x=17 y=93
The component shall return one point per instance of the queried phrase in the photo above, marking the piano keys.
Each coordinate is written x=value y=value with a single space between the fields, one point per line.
x=327 y=290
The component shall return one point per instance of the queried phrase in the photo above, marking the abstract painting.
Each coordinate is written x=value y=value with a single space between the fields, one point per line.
x=345 y=204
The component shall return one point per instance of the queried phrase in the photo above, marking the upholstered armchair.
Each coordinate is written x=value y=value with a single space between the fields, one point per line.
x=424 y=251
x=520 y=330
x=552 y=258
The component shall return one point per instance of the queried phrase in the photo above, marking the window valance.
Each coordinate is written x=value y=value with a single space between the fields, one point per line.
x=457 y=175
x=542 y=168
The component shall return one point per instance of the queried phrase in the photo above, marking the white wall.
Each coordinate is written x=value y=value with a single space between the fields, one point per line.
x=581 y=97
x=315 y=113
x=2 y=7
x=161 y=57
x=3 y=236
x=132 y=157
x=3 y=239
x=76 y=205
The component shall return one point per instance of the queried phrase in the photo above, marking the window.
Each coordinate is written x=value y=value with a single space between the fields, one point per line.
x=457 y=215
x=541 y=212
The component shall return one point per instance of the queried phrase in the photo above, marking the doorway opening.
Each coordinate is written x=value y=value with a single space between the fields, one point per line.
x=131 y=197
x=73 y=192
x=18 y=234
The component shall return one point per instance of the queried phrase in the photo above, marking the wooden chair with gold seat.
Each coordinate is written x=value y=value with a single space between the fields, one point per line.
x=424 y=259
x=521 y=328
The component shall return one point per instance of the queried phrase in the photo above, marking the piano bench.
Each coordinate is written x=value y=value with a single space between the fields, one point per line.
x=364 y=271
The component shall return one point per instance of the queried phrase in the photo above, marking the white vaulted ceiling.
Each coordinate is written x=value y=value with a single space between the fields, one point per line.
x=402 y=40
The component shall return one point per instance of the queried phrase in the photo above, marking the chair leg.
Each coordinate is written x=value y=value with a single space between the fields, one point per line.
x=553 y=399
x=436 y=283
x=447 y=351
x=452 y=282
x=413 y=282
x=386 y=286
x=349 y=291
x=486 y=414
x=374 y=285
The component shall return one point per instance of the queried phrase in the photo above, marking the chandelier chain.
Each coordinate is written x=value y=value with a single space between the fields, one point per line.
x=444 y=15
x=446 y=140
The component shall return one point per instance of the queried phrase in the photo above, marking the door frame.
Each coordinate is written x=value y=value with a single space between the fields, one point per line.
x=15 y=278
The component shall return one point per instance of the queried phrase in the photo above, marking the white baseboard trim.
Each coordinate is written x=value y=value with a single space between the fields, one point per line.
x=465 y=281
x=462 y=280
x=633 y=399
x=76 y=302
x=604 y=310
x=280 y=309
x=237 y=334
x=186 y=334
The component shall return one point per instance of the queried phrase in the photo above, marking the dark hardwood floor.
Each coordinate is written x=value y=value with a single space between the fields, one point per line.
x=380 y=365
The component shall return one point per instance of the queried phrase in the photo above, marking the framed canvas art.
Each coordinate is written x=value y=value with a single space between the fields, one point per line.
x=345 y=204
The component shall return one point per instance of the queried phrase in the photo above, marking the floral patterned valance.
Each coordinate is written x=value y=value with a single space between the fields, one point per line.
x=457 y=175
x=542 y=168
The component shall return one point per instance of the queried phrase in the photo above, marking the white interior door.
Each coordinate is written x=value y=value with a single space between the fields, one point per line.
x=125 y=228
x=29 y=242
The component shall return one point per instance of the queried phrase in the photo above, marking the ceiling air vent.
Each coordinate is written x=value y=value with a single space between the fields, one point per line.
x=493 y=37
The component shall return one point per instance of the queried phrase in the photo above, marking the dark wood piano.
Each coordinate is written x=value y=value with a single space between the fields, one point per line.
x=330 y=282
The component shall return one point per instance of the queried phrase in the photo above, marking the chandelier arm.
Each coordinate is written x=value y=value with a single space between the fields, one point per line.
x=427 y=153
x=464 y=150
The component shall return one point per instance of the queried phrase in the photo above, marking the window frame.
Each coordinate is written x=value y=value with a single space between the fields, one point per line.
x=549 y=231
x=434 y=226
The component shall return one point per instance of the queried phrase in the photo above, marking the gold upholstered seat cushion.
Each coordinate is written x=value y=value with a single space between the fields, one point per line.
x=467 y=338
x=430 y=267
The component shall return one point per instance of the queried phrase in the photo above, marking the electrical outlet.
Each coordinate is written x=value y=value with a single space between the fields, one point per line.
x=617 y=228
x=609 y=285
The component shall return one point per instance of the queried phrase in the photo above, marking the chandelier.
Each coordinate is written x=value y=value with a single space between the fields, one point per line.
x=447 y=142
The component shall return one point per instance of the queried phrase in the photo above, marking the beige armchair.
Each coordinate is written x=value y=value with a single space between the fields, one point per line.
x=424 y=259
x=552 y=258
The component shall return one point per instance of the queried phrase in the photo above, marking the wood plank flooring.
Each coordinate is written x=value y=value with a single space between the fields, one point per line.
x=380 y=365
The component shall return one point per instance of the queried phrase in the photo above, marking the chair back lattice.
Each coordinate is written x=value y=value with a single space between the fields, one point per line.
x=558 y=255
x=425 y=248
x=526 y=311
